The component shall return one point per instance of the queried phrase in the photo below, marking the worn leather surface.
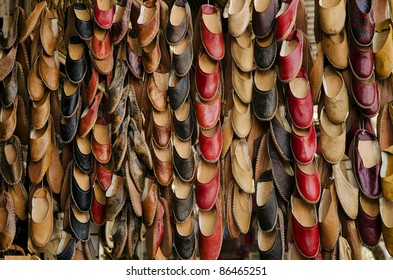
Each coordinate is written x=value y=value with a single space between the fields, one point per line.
x=49 y=70
x=182 y=208
x=7 y=126
x=157 y=93
x=134 y=58
x=265 y=56
x=36 y=170
x=263 y=22
x=104 y=175
x=329 y=223
x=185 y=245
x=281 y=139
x=104 y=18
x=361 y=21
x=184 y=167
x=11 y=171
x=148 y=31
x=174 y=33
x=89 y=116
x=337 y=106
x=179 y=93
x=332 y=18
x=47 y=34
x=9 y=86
x=332 y=139
x=140 y=145
x=336 y=49
x=163 y=170
x=7 y=235
x=119 y=28
x=101 y=49
x=276 y=251
x=101 y=151
x=242 y=51
x=238 y=20
x=383 y=61
x=149 y=205
x=116 y=200
x=182 y=62
x=35 y=85
x=115 y=90
x=39 y=146
x=347 y=193
x=264 y=103
x=41 y=231
x=267 y=213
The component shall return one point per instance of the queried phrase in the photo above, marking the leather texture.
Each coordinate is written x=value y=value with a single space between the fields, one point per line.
x=360 y=14
x=304 y=146
x=213 y=43
x=104 y=18
x=263 y=22
x=300 y=109
x=367 y=178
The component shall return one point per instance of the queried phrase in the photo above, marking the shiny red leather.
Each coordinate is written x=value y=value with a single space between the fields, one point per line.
x=301 y=110
x=369 y=228
x=210 y=246
x=304 y=147
x=213 y=43
x=308 y=185
x=285 y=20
x=87 y=121
x=101 y=49
x=306 y=238
x=211 y=147
x=104 y=18
x=104 y=176
x=206 y=193
x=364 y=92
x=368 y=178
x=361 y=61
x=289 y=66
x=98 y=212
x=208 y=113
x=207 y=84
